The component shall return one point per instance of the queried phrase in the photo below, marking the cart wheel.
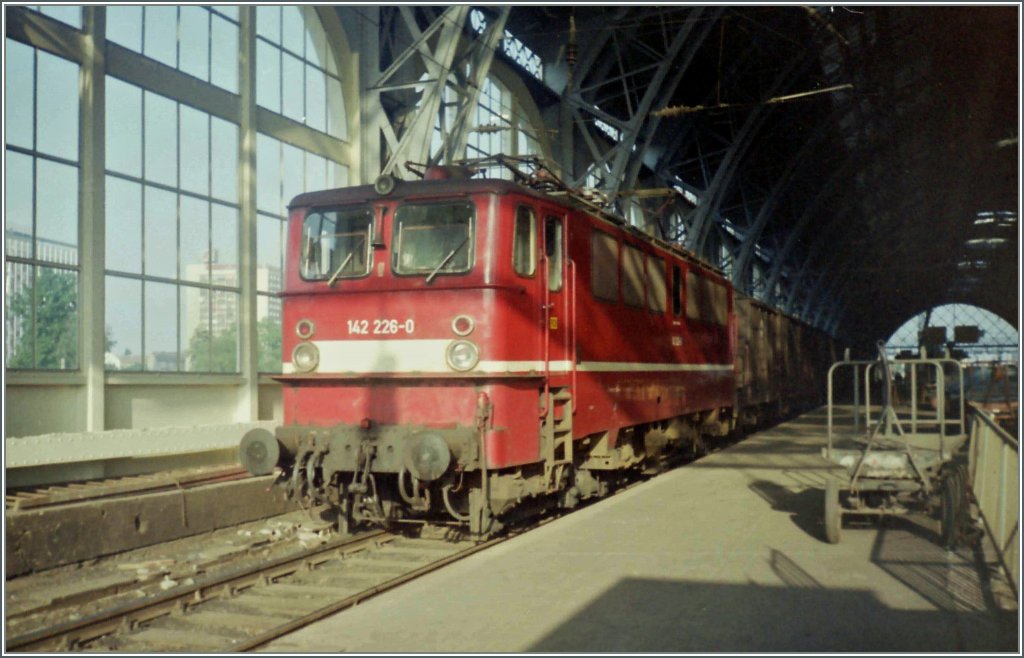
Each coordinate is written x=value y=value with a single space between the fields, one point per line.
x=833 y=516
x=953 y=496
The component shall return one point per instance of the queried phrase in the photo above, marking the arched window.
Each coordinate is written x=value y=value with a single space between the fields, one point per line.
x=977 y=334
x=500 y=126
x=297 y=75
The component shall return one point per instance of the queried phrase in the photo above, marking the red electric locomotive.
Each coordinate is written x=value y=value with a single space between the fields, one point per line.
x=463 y=351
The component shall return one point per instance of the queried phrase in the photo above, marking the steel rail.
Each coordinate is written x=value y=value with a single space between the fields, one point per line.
x=75 y=493
x=72 y=634
x=355 y=599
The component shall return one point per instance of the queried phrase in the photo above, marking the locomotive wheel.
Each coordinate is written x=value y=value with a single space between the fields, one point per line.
x=833 y=515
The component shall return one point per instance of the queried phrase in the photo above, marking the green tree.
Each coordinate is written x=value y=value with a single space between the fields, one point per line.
x=218 y=353
x=221 y=353
x=53 y=327
x=268 y=332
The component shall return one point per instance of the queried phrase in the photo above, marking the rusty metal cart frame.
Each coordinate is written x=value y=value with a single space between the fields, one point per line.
x=890 y=471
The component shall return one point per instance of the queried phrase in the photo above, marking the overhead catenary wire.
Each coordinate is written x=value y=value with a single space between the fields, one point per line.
x=677 y=110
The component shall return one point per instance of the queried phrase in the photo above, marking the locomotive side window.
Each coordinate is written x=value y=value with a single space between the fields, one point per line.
x=632 y=276
x=524 y=242
x=433 y=239
x=706 y=300
x=604 y=266
x=553 y=250
x=719 y=304
x=656 y=284
x=677 y=291
x=336 y=244
x=694 y=296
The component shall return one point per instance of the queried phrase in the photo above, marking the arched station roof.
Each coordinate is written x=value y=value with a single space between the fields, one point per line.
x=851 y=165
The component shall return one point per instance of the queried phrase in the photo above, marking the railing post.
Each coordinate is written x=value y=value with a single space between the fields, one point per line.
x=856 y=399
x=913 y=398
x=1001 y=507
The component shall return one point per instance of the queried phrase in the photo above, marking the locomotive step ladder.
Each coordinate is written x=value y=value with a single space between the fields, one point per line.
x=557 y=436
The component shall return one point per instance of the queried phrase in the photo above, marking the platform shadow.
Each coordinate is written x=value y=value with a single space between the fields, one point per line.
x=908 y=548
x=648 y=615
x=805 y=507
x=950 y=579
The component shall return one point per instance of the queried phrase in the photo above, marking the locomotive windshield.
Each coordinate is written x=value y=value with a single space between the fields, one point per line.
x=433 y=239
x=336 y=244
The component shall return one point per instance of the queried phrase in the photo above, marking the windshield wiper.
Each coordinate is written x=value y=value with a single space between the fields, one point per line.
x=337 y=272
x=447 y=258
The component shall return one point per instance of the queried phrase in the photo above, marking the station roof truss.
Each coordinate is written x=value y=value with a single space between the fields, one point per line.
x=852 y=166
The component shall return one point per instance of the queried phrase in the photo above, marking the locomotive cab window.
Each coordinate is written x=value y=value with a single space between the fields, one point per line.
x=336 y=244
x=553 y=250
x=433 y=239
x=656 y=290
x=632 y=276
x=706 y=300
x=524 y=242
x=604 y=266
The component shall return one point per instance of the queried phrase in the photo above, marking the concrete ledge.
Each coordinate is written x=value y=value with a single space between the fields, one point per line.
x=51 y=537
x=68 y=457
x=71 y=447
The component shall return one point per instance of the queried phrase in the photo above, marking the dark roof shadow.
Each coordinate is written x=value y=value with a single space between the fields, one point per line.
x=646 y=615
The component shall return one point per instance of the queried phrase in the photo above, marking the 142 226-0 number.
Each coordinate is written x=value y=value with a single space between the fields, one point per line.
x=381 y=326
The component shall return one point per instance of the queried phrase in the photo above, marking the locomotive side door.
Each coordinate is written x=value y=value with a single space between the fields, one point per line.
x=556 y=421
x=557 y=309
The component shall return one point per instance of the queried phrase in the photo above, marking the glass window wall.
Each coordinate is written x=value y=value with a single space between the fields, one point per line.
x=41 y=175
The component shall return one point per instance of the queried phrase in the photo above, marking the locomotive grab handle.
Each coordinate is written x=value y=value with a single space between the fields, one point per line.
x=572 y=352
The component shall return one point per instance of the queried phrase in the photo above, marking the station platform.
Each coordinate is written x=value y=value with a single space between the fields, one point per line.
x=726 y=554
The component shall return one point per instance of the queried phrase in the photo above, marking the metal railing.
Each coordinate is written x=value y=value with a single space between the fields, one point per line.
x=934 y=370
x=995 y=480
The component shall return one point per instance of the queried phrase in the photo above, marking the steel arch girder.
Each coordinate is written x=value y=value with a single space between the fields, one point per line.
x=657 y=91
x=651 y=129
x=723 y=177
x=481 y=57
x=742 y=263
x=627 y=163
x=801 y=225
x=680 y=137
x=810 y=298
x=830 y=290
x=414 y=143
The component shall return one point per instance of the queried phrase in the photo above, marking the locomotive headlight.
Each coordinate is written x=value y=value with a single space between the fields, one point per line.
x=305 y=356
x=462 y=355
x=462 y=325
x=304 y=329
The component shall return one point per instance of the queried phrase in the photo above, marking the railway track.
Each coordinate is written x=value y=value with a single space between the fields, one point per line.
x=250 y=606
x=244 y=605
x=134 y=485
